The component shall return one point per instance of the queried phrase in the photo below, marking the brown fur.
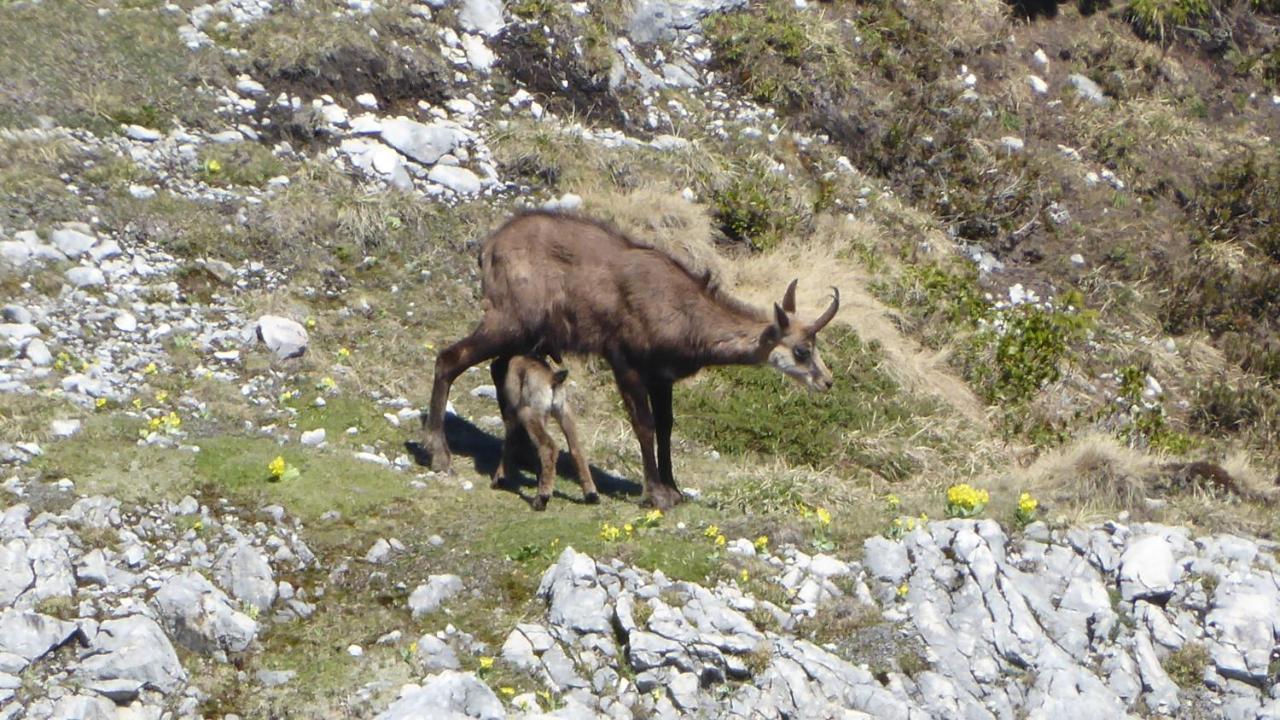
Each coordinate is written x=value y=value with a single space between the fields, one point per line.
x=533 y=392
x=556 y=284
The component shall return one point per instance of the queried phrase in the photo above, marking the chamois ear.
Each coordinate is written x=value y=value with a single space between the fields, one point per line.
x=558 y=377
x=789 y=297
x=781 y=320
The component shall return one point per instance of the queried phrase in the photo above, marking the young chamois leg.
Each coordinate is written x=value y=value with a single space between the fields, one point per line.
x=519 y=443
x=636 y=397
x=565 y=418
x=485 y=342
x=535 y=423
x=660 y=400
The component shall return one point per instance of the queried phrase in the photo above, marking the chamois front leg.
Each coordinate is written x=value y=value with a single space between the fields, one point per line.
x=546 y=455
x=480 y=345
x=570 y=430
x=663 y=417
x=636 y=397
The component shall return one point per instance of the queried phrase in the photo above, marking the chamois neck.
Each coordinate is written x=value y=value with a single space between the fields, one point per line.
x=734 y=338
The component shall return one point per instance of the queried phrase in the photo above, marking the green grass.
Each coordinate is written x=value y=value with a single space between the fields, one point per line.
x=82 y=69
x=757 y=411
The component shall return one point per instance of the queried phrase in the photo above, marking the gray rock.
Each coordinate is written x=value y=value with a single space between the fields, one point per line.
x=458 y=179
x=447 y=695
x=51 y=566
x=275 y=678
x=38 y=353
x=72 y=243
x=132 y=648
x=83 y=276
x=31 y=636
x=1244 y=624
x=187 y=506
x=438 y=589
x=284 y=337
x=125 y=322
x=200 y=617
x=481 y=16
x=654 y=20
x=245 y=573
x=18 y=331
x=16 y=314
x=15 y=253
x=98 y=512
x=1147 y=569
x=64 y=428
x=379 y=552
x=1088 y=89
x=84 y=707
x=886 y=559
x=423 y=143
x=142 y=134
x=435 y=654
x=16 y=575
x=104 y=250
x=313 y=438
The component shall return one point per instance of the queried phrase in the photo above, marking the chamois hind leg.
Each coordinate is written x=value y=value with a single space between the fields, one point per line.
x=636 y=398
x=546 y=455
x=663 y=419
x=485 y=342
x=570 y=430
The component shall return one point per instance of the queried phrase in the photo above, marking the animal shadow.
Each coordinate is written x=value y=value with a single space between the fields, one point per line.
x=467 y=440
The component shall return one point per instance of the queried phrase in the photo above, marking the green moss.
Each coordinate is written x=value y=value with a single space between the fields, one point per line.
x=1186 y=665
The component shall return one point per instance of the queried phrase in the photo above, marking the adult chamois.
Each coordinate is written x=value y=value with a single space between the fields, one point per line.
x=534 y=393
x=556 y=283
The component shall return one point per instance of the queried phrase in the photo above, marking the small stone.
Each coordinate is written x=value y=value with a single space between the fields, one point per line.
x=313 y=438
x=355 y=650
x=64 y=428
x=458 y=179
x=126 y=322
x=367 y=100
x=82 y=276
x=284 y=337
x=1038 y=85
x=72 y=243
x=379 y=552
x=141 y=134
x=38 y=353
x=142 y=192
x=438 y=589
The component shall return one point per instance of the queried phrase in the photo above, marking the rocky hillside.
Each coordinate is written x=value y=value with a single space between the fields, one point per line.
x=234 y=235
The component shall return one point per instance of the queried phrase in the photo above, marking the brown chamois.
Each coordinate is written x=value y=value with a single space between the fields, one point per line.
x=555 y=284
x=533 y=392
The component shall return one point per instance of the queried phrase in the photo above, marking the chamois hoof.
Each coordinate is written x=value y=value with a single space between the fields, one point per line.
x=540 y=502
x=592 y=498
x=496 y=482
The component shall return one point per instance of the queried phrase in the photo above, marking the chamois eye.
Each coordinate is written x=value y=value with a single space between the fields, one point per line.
x=801 y=354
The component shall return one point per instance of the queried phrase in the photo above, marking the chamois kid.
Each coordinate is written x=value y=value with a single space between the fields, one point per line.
x=531 y=394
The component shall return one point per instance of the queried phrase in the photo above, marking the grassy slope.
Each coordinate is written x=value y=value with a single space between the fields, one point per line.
x=888 y=427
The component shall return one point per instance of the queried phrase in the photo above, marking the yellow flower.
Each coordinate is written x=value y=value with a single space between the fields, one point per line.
x=100 y=403
x=161 y=396
x=137 y=403
x=923 y=518
x=276 y=467
x=413 y=648
x=903 y=589
x=197 y=526
x=328 y=384
x=897 y=522
x=762 y=543
x=653 y=516
x=964 y=500
x=1027 y=504
x=629 y=529
x=213 y=167
x=824 y=517
x=150 y=369
x=711 y=531
x=173 y=421
x=720 y=541
x=429 y=346
x=507 y=691
x=486 y=663
x=892 y=501
x=609 y=532
x=311 y=323
x=745 y=575
x=343 y=353
x=911 y=524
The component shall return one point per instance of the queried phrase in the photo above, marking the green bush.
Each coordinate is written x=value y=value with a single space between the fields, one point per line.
x=1022 y=348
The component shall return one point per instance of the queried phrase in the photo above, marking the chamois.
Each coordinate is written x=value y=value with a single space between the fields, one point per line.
x=532 y=392
x=557 y=283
